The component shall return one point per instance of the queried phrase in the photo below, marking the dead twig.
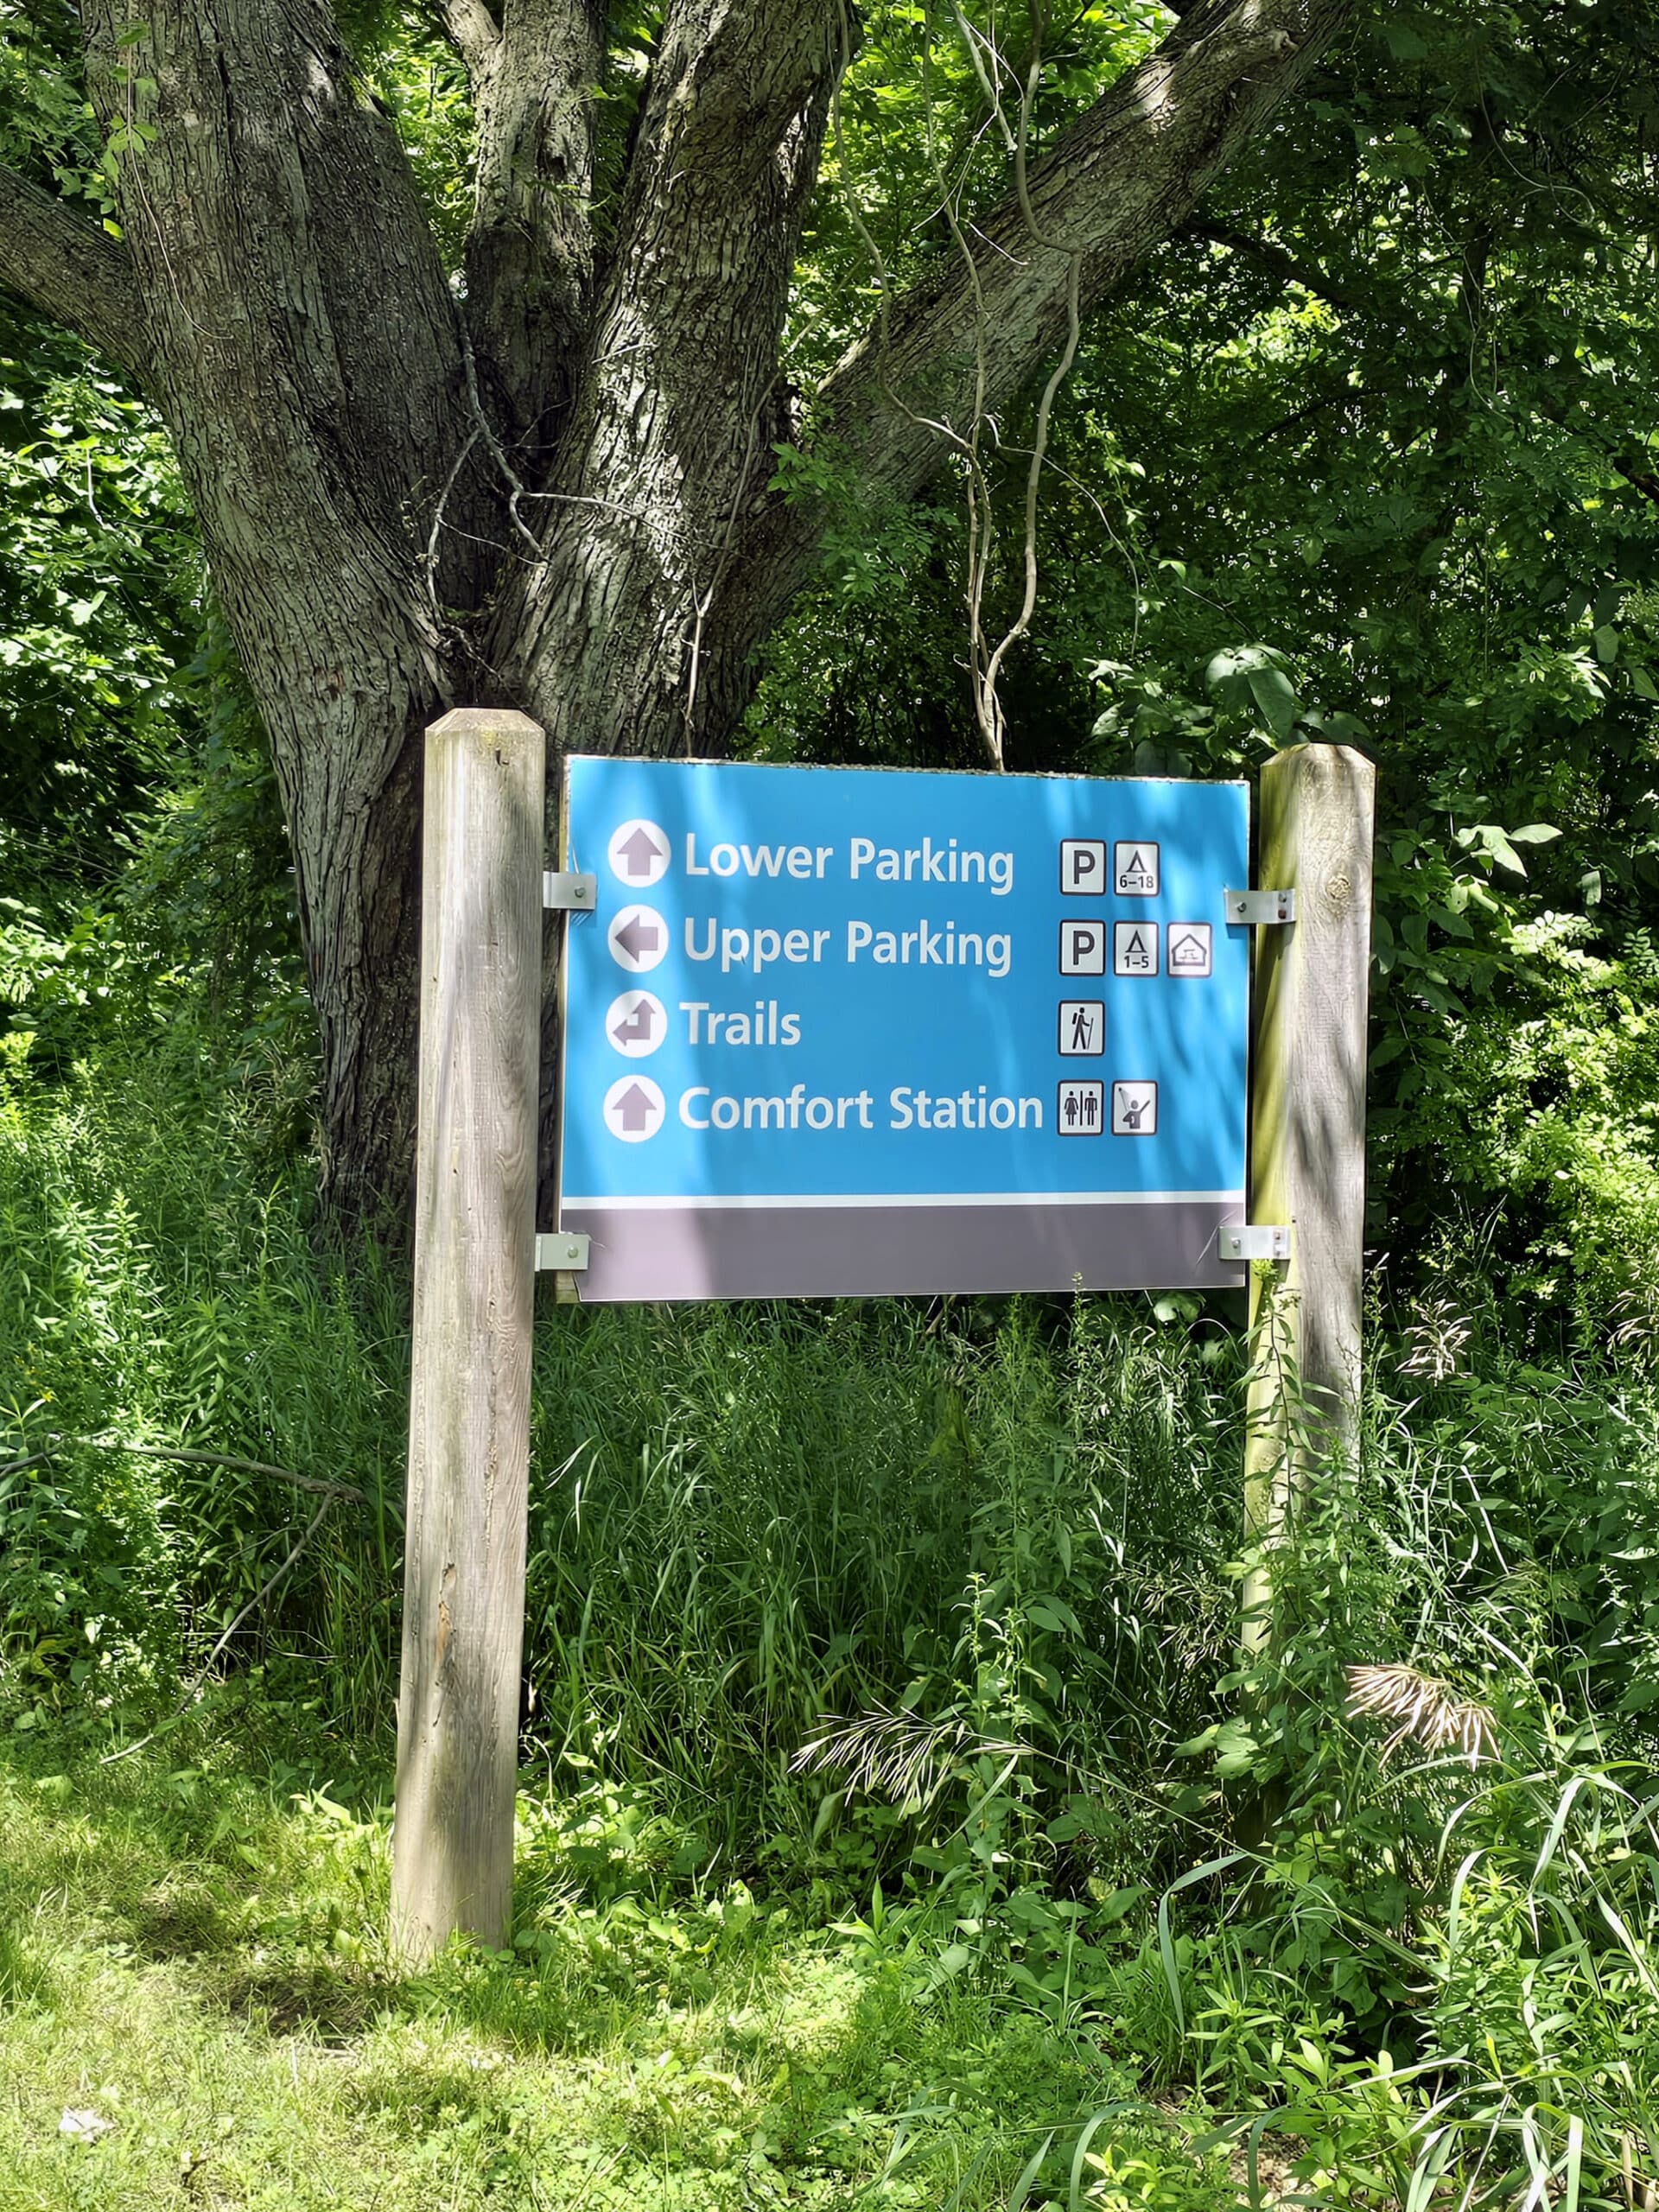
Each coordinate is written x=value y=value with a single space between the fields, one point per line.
x=108 y=1441
x=196 y=1687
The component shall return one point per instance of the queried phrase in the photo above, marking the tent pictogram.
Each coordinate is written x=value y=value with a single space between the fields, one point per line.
x=1136 y=866
x=1134 y=948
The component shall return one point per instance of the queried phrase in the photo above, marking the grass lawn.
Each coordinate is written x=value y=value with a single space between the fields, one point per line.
x=196 y=2010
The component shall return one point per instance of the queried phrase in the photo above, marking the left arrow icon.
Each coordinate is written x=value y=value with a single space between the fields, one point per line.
x=639 y=938
x=634 y=1108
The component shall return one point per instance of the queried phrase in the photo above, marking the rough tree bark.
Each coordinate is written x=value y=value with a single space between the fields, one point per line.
x=550 y=493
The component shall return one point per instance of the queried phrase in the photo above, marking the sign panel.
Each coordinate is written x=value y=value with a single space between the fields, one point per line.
x=853 y=1032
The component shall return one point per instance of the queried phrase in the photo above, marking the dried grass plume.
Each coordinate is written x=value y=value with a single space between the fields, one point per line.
x=1422 y=1710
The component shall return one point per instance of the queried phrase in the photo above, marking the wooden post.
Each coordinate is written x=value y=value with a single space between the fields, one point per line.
x=1307 y=1141
x=475 y=1285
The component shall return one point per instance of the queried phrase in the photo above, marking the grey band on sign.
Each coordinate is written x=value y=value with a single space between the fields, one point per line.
x=661 y=1250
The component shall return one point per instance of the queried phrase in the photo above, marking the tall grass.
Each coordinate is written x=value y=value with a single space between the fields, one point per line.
x=978 y=1558
x=740 y=1517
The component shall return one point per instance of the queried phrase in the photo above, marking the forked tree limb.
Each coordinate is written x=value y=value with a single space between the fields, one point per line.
x=672 y=426
x=530 y=251
x=1114 y=186
x=475 y=31
x=1289 y=267
x=71 y=271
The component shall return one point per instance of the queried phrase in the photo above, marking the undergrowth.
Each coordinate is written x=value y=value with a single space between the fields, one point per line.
x=897 y=1823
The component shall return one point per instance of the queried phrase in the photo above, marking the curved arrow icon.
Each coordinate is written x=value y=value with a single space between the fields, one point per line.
x=637 y=1023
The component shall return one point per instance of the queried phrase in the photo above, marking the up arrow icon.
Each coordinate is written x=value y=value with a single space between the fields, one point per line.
x=639 y=851
x=634 y=1108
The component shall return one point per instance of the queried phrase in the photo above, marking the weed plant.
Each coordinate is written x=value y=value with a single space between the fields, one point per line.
x=881 y=1661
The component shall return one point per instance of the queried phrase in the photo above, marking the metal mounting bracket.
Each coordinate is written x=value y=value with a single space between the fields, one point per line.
x=569 y=893
x=1254 y=908
x=1258 y=1240
x=563 y=1251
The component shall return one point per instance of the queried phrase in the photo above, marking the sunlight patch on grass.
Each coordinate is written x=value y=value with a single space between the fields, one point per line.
x=194 y=1954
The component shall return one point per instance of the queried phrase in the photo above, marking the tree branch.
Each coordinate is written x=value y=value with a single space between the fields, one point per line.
x=113 y=1440
x=76 y=275
x=1289 y=267
x=474 y=32
x=529 y=257
x=681 y=404
x=1116 y=185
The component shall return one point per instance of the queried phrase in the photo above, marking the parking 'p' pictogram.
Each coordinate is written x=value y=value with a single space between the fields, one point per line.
x=1083 y=867
x=1083 y=948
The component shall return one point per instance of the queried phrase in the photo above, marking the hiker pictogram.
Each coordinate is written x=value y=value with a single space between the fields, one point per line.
x=1134 y=948
x=634 y=1108
x=1080 y=1110
x=1135 y=1110
x=637 y=1023
x=1134 y=869
x=1082 y=1027
x=639 y=852
x=638 y=939
x=1190 y=948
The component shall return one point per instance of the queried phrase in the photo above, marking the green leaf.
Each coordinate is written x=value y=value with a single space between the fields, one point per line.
x=1054 y=1615
x=1495 y=842
x=1276 y=699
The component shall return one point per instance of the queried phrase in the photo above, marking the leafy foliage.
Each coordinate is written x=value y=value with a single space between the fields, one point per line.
x=889 y=1756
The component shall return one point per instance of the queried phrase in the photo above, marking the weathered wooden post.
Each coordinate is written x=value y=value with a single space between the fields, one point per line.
x=1307 y=1143
x=475 y=1285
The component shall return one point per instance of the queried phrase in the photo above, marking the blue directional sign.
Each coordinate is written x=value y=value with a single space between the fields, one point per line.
x=837 y=1031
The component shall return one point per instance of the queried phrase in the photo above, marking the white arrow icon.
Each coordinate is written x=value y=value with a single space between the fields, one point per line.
x=636 y=1023
x=638 y=853
x=638 y=939
x=634 y=1108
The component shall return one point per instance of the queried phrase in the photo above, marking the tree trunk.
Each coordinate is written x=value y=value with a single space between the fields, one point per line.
x=308 y=361
x=550 y=495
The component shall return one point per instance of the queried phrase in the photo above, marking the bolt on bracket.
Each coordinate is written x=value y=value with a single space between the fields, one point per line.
x=1256 y=1241
x=564 y=893
x=563 y=1252
x=1257 y=908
